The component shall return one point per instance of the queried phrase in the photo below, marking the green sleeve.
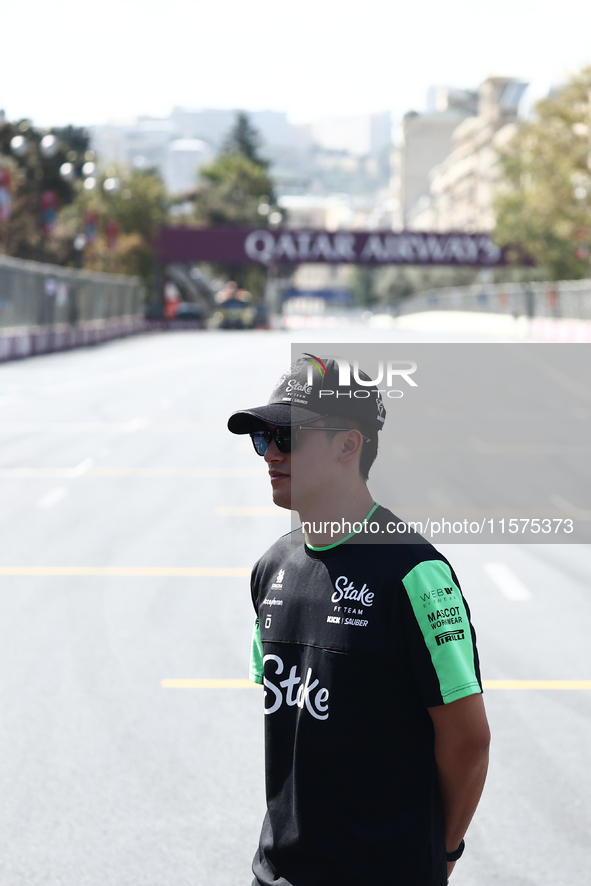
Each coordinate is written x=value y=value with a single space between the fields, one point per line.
x=444 y=653
x=256 y=655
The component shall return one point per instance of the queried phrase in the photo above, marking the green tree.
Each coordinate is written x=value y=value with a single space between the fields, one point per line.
x=233 y=190
x=362 y=281
x=32 y=173
x=244 y=139
x=237 y=190
x=139 y=206
x=544 y=204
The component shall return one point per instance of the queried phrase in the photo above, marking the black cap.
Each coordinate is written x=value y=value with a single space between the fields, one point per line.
x=310 y=390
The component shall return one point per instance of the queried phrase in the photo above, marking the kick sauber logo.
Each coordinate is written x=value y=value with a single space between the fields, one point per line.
x=346 y=593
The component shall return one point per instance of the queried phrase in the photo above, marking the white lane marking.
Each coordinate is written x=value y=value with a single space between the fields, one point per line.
x=137 y=424
x=248 y=512
x=9 y=398
x=22 y=473
x=528 y=448
x=570 y=509
x=52 y=497
x=440 y=498
x=533 y=355
x=507 y=582
x=122 y=375
x=83 y=467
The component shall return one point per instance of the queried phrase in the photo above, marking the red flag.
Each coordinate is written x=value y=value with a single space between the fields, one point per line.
x=5 y=195
x=112 y=234
x=91 y=226
x=49 y=204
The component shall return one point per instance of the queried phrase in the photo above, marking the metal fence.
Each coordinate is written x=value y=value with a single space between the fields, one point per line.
x=566 y=299
x=36 y=294
x=46 y=307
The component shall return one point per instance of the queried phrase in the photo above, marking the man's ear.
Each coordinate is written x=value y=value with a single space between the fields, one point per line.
x=351 y=445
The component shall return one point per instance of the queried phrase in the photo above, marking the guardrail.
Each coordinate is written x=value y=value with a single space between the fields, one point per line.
x=47 y=308
x=553 y=311
x=565 y=299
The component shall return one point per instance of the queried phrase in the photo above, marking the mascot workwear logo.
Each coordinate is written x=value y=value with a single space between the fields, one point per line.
x=293 y=691
x=346 y=590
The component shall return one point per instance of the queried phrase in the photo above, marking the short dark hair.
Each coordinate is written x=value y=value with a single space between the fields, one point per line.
x=369 y=449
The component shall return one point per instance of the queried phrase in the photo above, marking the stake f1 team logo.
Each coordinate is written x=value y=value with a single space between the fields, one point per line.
x=346 y=590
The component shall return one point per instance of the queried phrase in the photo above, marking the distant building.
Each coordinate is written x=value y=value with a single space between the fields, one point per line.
x=141 y=143
x=184 y=158
x=360 y=135
x=426 y=141
x=463 y=184
x=214 y=124
x=330 y=155
x=337 y=212
x=178 y=145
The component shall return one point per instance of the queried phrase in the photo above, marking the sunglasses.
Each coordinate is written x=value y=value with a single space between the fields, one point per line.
x=286 y=439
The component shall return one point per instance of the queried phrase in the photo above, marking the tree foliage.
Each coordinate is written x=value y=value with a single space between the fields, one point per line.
x=31 y=175
x=237 y=190
x=244 y=139
x=139 y=207
x=233 y=188
x=544 y=204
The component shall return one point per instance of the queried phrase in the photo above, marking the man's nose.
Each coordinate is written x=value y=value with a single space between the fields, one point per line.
x=272 y=454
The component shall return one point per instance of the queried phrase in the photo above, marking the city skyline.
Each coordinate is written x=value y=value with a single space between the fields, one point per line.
x=88 y=66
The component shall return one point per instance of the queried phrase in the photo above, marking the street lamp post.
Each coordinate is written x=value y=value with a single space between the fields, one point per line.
x=90 y=176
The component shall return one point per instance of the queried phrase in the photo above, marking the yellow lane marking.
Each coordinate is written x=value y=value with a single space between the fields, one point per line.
x=537 y=684
x=191 y=473
x=248 y=512
x=208 y=684
x=488 y=684
x=122 y=571
x=151 y=473
x=137 y=424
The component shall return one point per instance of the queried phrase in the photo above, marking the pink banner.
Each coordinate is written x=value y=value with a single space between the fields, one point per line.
x=286 y=246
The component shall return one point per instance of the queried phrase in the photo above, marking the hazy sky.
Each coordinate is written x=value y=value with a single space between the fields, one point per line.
x=67 y=61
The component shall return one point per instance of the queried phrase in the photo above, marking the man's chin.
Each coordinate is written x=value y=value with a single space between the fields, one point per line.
x=282 y=499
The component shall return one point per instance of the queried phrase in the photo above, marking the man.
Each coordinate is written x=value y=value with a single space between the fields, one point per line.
x=376 y=739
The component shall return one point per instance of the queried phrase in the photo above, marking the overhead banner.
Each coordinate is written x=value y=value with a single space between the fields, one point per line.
x=285 y=246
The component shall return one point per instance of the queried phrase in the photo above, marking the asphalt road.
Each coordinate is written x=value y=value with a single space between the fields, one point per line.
x=129 y=521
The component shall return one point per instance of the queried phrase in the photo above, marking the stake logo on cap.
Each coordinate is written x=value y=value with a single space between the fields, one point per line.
x=311 y=389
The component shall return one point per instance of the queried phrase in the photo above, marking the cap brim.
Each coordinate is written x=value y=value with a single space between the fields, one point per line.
x=281 y=414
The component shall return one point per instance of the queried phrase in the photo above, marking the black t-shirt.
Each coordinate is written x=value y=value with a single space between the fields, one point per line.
x=353 y=643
